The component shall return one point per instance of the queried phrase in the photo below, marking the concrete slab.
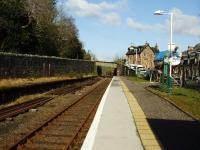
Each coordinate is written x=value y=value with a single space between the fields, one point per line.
x=116 y=129
x=141 y=121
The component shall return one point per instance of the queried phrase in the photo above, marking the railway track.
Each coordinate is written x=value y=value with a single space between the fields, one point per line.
x=19 y=108
x=23 y=107
x=67 y=129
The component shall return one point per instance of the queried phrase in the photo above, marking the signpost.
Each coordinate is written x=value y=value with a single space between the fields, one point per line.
x=167 y=80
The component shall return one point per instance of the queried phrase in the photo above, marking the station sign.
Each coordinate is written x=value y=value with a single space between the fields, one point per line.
x=174 y=60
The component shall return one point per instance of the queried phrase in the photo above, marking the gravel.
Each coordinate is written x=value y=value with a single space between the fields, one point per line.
x=13 y=129
x=154 y=106
x=174 y=129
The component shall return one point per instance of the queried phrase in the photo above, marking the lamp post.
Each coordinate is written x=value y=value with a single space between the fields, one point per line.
x=162 y=12
x=131 y=48
x=136 y=61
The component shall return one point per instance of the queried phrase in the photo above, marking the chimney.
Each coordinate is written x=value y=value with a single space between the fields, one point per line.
x=190 y=48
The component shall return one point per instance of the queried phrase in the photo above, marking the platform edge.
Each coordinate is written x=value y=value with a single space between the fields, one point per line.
x=145 y=133
x=90 y=137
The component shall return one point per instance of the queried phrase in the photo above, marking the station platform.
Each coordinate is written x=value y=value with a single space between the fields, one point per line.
x=116 y=124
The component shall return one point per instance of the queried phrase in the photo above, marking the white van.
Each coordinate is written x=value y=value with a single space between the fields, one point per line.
x=141 y=69
x=133 y=66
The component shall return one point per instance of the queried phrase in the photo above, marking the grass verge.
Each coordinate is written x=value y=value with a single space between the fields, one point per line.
x=23 y=99
x=20 y=82
x=186 y=99
x=137 y=79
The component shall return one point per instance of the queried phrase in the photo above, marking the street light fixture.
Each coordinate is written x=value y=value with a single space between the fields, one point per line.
x=162 y=12
x=159 y=12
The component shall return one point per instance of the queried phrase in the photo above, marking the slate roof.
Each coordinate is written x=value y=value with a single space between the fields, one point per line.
x=193 y=51
x=197 y=47
x=132 y=49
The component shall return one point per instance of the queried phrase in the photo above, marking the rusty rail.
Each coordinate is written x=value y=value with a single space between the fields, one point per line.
x=19 y=144
x=67 y=147
x=20 y=108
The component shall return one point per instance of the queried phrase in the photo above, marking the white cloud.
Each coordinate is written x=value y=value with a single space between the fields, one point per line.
x=104 y=12
x=114 y=6
x=182 y=24
x=107 y=6
x=83 y=8
x=185 y=24
x=111 y=18
x=142 y=27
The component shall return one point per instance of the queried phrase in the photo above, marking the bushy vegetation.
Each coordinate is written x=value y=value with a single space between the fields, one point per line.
x=37 y=27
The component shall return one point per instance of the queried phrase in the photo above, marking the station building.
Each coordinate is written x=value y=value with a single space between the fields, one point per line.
x=145 y=55
x=190 y=63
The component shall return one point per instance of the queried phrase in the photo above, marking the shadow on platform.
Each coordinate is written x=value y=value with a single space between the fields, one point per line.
x=177 y=134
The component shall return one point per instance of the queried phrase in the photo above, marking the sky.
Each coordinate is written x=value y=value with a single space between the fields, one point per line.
x=109 y=27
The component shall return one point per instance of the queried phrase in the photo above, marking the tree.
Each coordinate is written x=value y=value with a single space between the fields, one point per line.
x=44 y=12
x=70 y=45
x=119 y=59
x=14 y=37
x=89 y=56
x=37 y=27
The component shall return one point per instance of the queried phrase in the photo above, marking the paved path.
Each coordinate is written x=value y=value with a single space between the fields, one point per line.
x=116 y=129
x=174 y=129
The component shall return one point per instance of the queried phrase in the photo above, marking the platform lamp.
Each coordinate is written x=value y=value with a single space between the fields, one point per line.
x=162 y=12
x=131 y=48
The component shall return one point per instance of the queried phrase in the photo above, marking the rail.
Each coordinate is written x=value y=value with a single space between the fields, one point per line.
x=20 y=108
x=73 y=107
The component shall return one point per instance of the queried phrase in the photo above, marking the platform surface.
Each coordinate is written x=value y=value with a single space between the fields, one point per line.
x=113 y=127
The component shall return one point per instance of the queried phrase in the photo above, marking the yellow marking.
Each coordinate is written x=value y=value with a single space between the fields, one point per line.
x=147 y=137
x=152 y=147
x=151 y=142
x=142 y=123
x=145 y=131
x=139 y=127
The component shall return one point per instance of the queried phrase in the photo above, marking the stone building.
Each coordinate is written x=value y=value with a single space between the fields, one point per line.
x=190 y=63
x=145 y=55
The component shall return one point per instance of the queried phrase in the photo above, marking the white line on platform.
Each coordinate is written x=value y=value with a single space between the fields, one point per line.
x=89 y=140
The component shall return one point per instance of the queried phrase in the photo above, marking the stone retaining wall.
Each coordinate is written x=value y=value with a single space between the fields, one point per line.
x=18 y=66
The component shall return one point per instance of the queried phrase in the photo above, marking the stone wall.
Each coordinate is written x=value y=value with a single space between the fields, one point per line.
x=18 y=66
x=107 y=68
x=147 y=58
